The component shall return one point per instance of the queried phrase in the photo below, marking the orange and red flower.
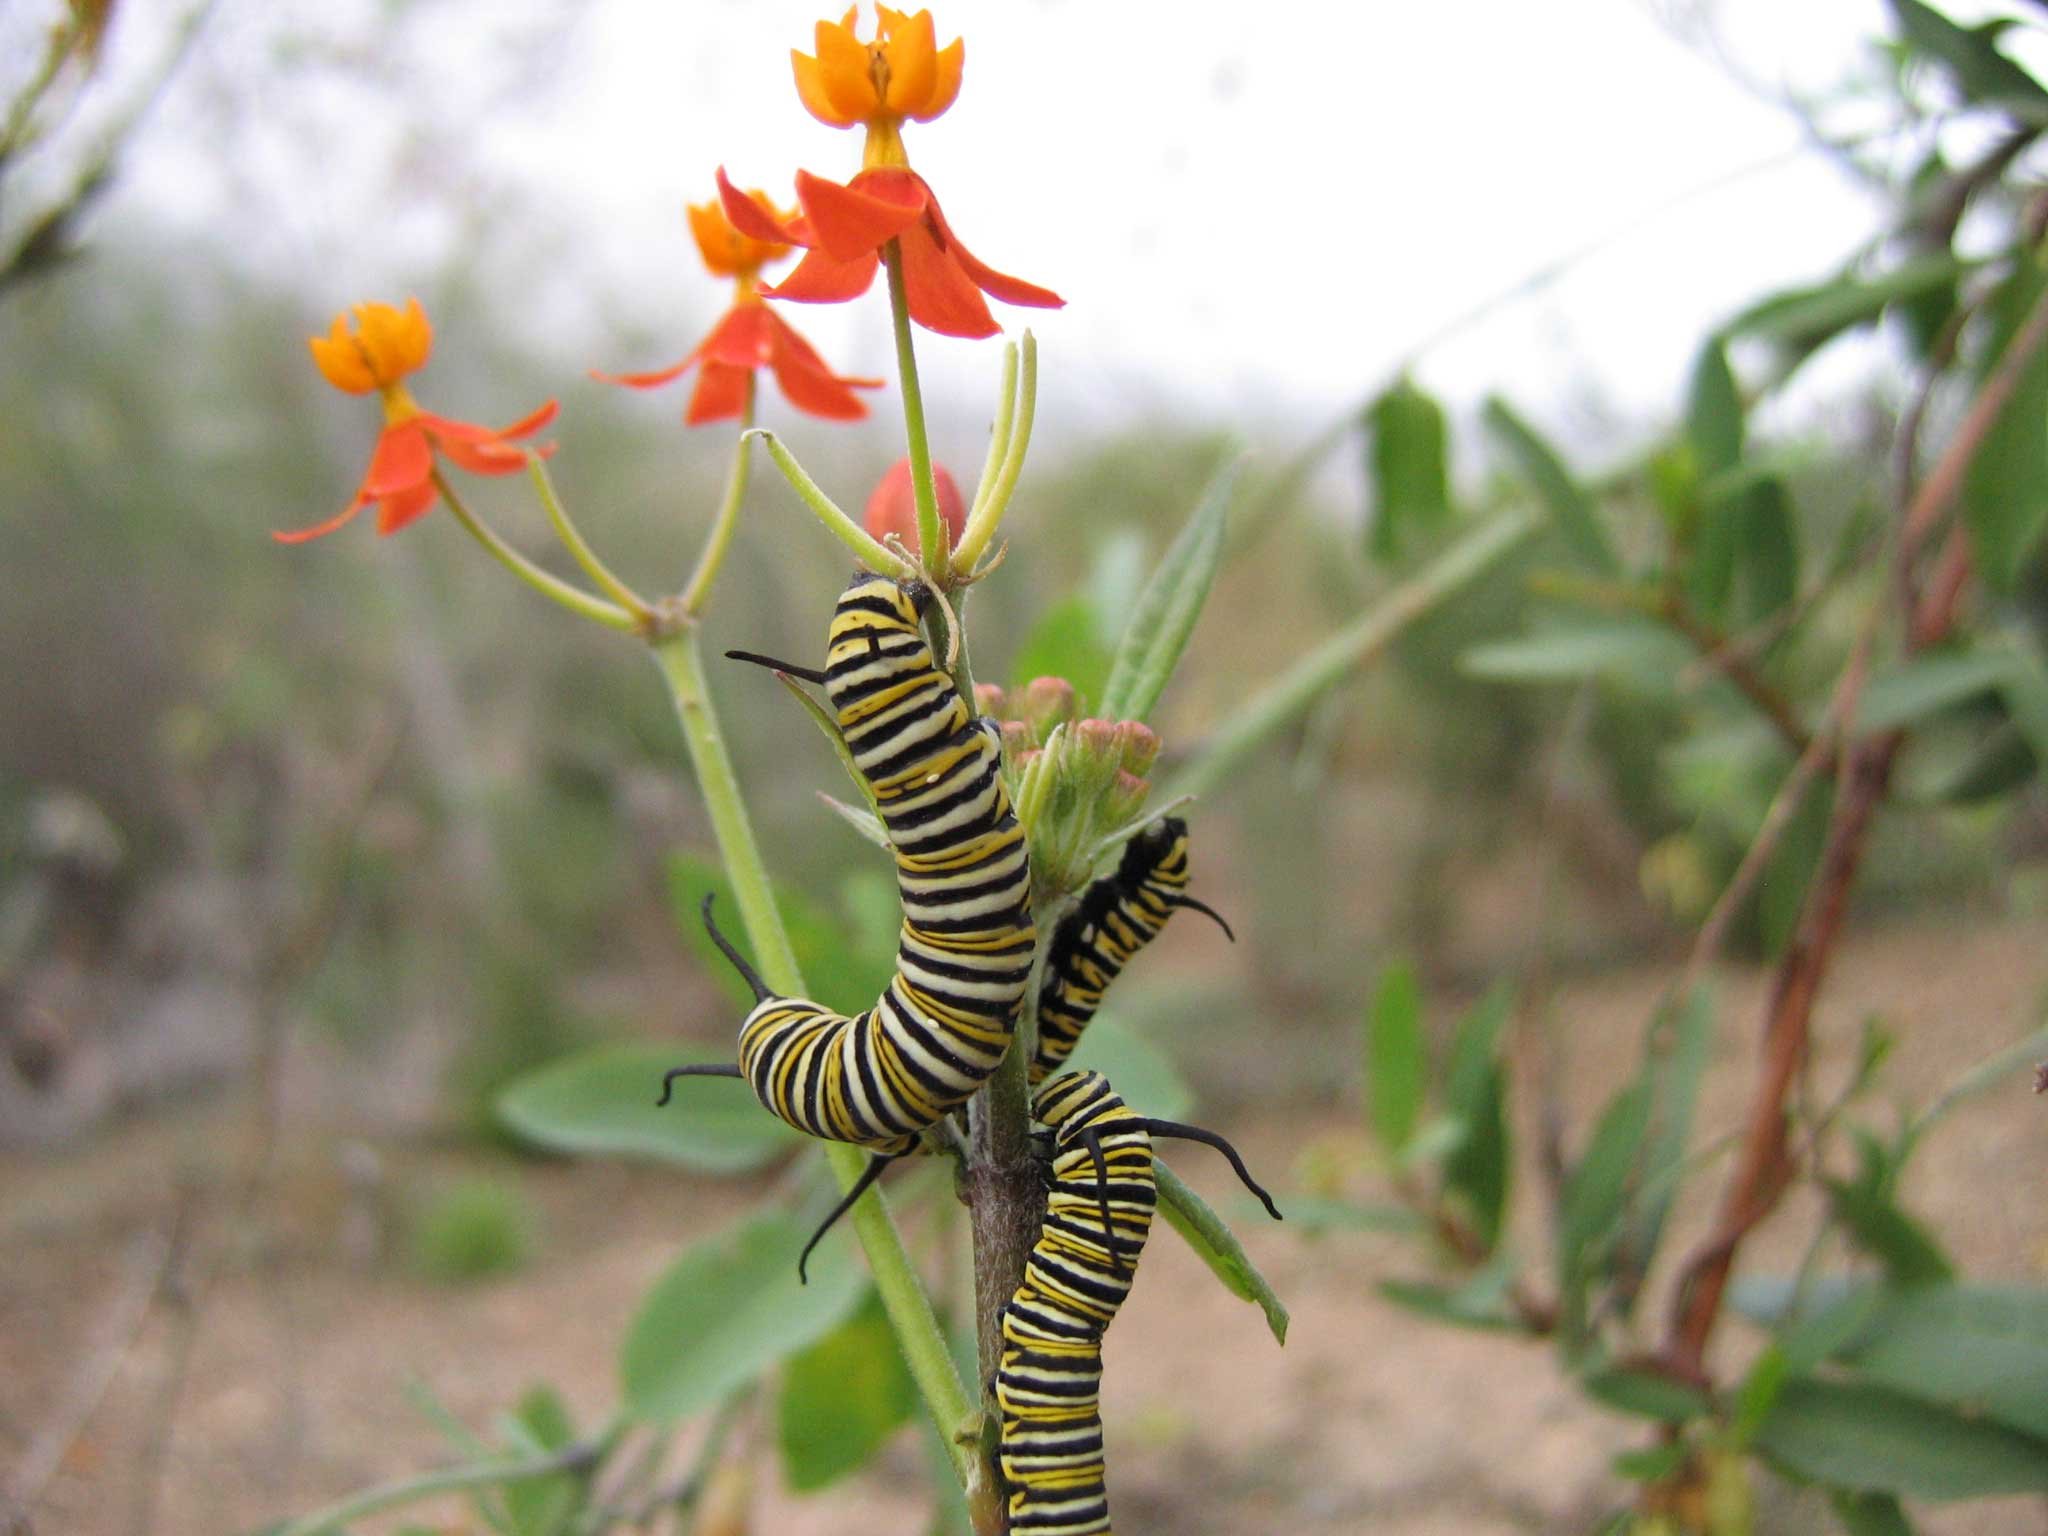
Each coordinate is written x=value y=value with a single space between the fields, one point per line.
x=902 y=73
x=385 y=345
x=750 y=335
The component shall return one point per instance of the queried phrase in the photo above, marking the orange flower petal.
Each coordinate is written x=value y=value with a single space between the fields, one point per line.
x=721 y=392
x=740 y=339
x=447 y=429
x=942 y=296
x=946 y=81
x=340 y=361
x=912 y=49
x=875 y=207
x=810 y=90
x=396 y=343
x=321 y=530
x=807 y=383
x=843 y=71
x=653 y=380
x=998 y=285
x=402 y=458
x=493 y=457
x=752 y=220
x=821 y=278
x=406 y=507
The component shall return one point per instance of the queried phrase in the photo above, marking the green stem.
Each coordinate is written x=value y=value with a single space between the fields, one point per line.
x=903 y=1297
x=989 y=509
x=842 y=527
x=553 y=587
x=999 y=434
x=573 y=541
x=933 y=547
x=697 y=591
x=574 y=1458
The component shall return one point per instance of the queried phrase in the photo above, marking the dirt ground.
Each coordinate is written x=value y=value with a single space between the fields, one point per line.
x=294 y=1391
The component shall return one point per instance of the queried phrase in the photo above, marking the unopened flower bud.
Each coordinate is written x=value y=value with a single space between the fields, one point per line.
x=1017 y=741
x=1123 y=797
x=1099 y=740
x=892 y=508
x=1140 y=746
x=989 y=700
x=1045 y=703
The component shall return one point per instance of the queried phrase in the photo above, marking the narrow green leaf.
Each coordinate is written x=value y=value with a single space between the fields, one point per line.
x=1802 y=319
x=1982 y=1350
x=601 y=1102
x=1767 y=551
x=1636 y=654
x=1781 y=893
x=1409 y=466
x=1066 y=642
x=1570 y=506
x=1645 y=1395
x=1591 y=1204
x=1758 y=1393
x=2005 y=491
x=1970 y=55
x=1908 y=1252
x=1916 y=690
x=728 y=1309
x=1165 y=617
x=1396 y=1057
x=1480 y=1302
x=1651 y=1464
x=1479 y=1171
x=540 y=1506
x=1307 y=1214
x=2025 y=691
x=1211 y=1238
x=1713 y=431
x=1853 y=1435
x=865 y=822
x=1289 y=697
x=842 y=1399
x=1677 y=1053
x=1870 y=1514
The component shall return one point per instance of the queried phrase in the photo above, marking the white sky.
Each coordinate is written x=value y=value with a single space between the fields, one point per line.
x=1251 y=210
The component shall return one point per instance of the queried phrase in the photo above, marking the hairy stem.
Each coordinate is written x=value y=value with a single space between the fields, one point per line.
x=697 y=591
x=934 y=549
x=547 y=585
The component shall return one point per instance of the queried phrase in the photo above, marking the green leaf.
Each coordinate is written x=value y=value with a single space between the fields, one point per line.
x=1651 y=1464
x=1631 y=653
x=2005 y=490
x=1592 y=1200
x=2026 y=695
x=1802 y=319
x=1645 y=1395
x=728 y=1309
x=1475 y=1093
x=1480 y=1302
x=1758 y=1393
x=1171 y=602
x=1409 y=466
x=1870 y=1514
x=1066 y=642
x=1909 y=1254
x=842 y=1399
x=1713 y=431
x=1211 y=1238
x=1145 y=1077
x=1914 y=691
x=839 y=975
x=1982 y=1350
x=1853 y=1435
x=601 y=1102
x=1396 y=1057
x=1570 y=507
x=1680 y=1044
x=1970 y=55
x=541 y=1506
x=1767 y=551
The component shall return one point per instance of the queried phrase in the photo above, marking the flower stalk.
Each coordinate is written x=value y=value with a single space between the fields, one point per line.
x=871 y=553
x=548 y=585
x=932 y=547
x=1013 y=437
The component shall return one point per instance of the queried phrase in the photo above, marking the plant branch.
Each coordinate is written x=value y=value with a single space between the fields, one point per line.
x=697 y=590
x=843 y=528
x=578 y=546
x=548 y=585
x=580 y=1457
x=933 y=549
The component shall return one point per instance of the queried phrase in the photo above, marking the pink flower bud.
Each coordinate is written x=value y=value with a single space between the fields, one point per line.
x=1045 y=703
x=989 y=700
x=1139 y=745
x=1099 y=740
x=1017 y=741
x=892 y=508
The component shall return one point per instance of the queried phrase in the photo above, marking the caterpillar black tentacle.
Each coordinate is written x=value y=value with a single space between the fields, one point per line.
x=1174 y=1129
x=877 y=1164
x=808 y=674
x=1116 y=917
x=965 y=949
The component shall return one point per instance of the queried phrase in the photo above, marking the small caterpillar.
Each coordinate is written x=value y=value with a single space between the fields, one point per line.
x=1101 y=1191
x=1116 y=917
x=964 y=953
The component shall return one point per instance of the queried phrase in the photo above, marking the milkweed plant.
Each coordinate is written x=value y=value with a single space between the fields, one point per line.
x=840 y=1357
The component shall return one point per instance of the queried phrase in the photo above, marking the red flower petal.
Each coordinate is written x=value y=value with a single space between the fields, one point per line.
x=721 y=392
x=740 y=339
x=491 y=457
x=321 y=530
x=942 y=296
x=807 y=383
x=751 y=219
x=652 y=380
x=823 y=279
x=445 y=429
x=406 y=506
x=998 y=285
x=401 y=460
x=875 y=207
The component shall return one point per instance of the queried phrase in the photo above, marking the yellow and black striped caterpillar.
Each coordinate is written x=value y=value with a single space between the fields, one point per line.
x=1116 y=917
x=1100 y=1194
x=964 y=953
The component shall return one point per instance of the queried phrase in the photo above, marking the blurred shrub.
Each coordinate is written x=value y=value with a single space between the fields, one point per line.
x=471 y=1230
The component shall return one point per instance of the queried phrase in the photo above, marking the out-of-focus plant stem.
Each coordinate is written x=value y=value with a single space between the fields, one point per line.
x=697 y=590
x=549 y=586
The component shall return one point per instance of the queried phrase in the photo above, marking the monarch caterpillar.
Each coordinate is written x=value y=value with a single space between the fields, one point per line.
x=1100 y=1195
x=963 y=958
x=1116 y=917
